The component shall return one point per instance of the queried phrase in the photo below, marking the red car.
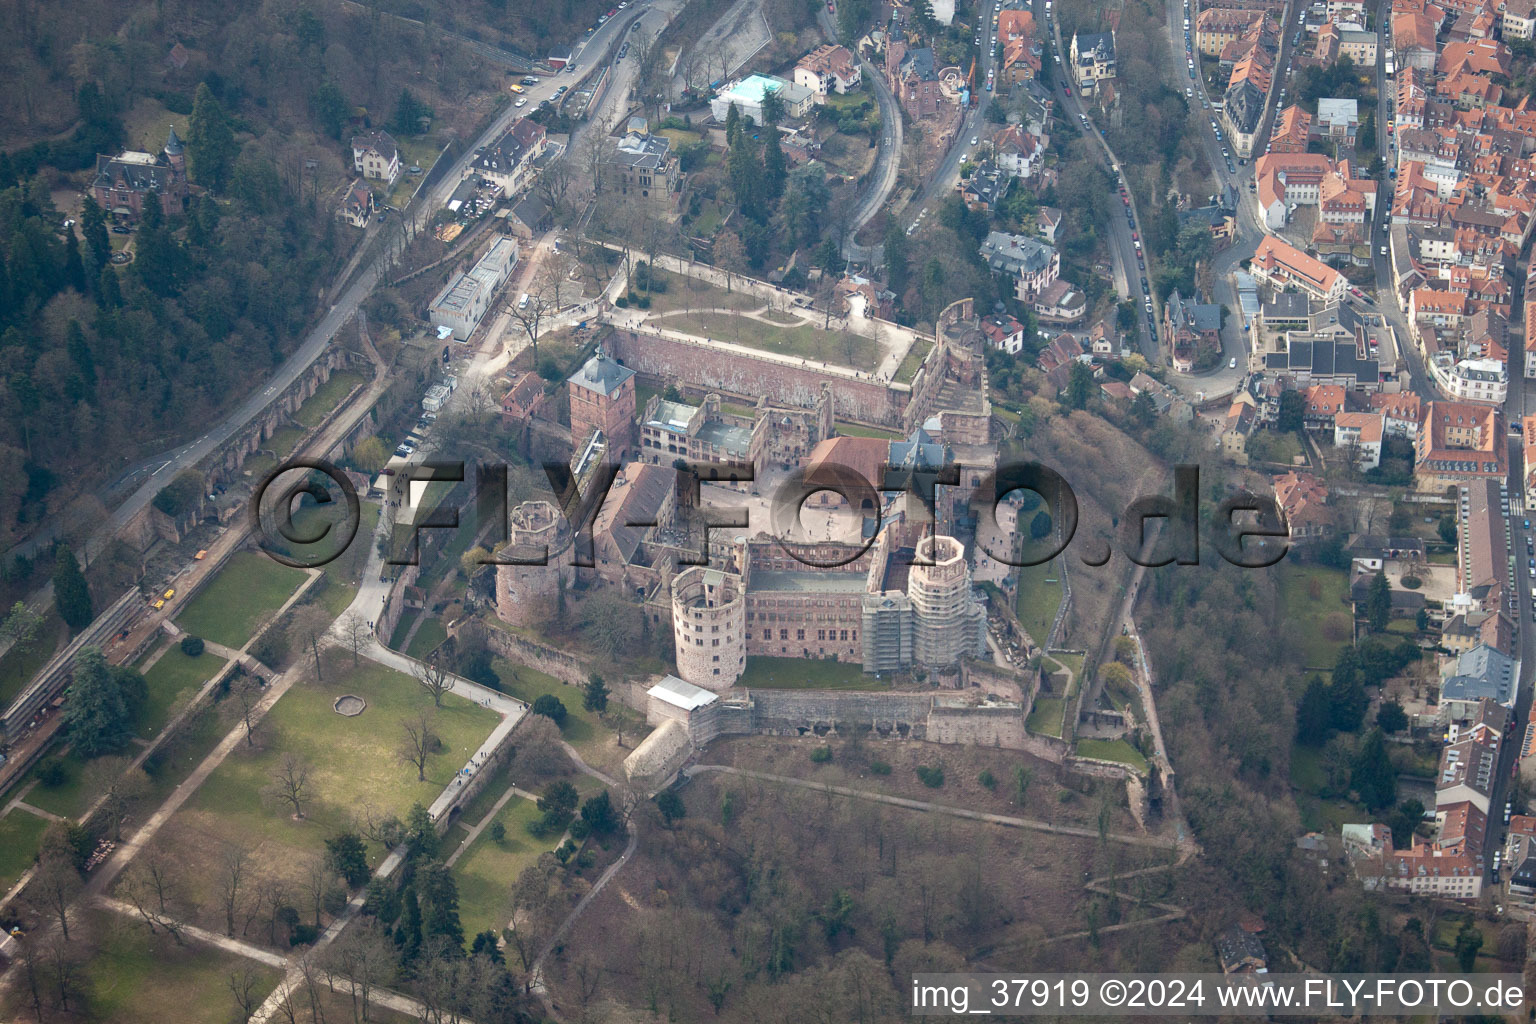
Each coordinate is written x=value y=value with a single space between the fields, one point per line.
x=613 y=12
x=1066 y=90
x=1135 y=237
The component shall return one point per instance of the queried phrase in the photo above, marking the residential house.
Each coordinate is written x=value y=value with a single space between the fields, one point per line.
x=985 y=187
x=748 y=95
x=1337 y=119
x=1323 y=403
x=1293 y=130
x=1048 y=220
x=1003 y=333
x=646 y=168
x=1362 y=432
x=1093 y=60
x=1191 y=327
x=1018 y=151
x=375 y=155
x=123 y=182
x=914 y=77
x=1033 y=264
x=356 y=204
x=1468 y=771
x=509 y=161
x=1239 y=951
x=1303 y=500
x=1056 y=360
x=1021 y=50
x=827 y=69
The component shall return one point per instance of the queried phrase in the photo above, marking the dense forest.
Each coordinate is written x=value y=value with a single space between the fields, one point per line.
x=107 y=362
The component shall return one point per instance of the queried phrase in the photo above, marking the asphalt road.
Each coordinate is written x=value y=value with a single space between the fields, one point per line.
x=1127 y=261
x=881 y=180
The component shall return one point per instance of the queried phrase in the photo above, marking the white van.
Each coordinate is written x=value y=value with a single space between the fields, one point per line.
x=522 y=303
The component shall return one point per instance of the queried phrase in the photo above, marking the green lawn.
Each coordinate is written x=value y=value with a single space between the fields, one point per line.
x=692 y=293
x=1314 y=611
x=352 y=761
x=20 y=834
x=170 y=677
x=486 y=871
x=807 y=674
x=249 y=588
x=1045 y=718
x=526 y=684
x=1039 y=599
x=857 y=430
x=805 y=340
x=132 y=976
x=1112 y=750
x=69 y=798
x=326 y=397
x=907 y=371
x=428 y=638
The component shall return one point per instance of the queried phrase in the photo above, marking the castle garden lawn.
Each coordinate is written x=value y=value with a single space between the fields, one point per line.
x=488 y=869
x=355 y=771
x=170 y=677
x=245 y=593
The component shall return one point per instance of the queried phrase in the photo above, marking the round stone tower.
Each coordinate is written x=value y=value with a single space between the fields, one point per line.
x=527 y=593
x=946 y=620
x=709 y=618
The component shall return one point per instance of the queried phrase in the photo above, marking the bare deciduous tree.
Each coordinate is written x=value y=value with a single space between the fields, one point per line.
x=146 y=884
x=434 y=678
x=246 y=691
x=307 y=632
x=231 y=883
x=354 y=633
x=243 y=983
x=418 y=743
x=290 y=779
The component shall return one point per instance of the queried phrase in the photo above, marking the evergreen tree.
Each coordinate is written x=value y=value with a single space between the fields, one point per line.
x=97 y=717
x=408 y=933
x=1346 y=693
x=211 y=148
x=93 y=225
x=732 y=125
x=595 y=694
x=439 y=897
x=1314 y=714
x=157 y=257
x=70 y=593
x=1378 y=603
x=775 y=166
x=421 y=833
x=74 y=266
x=108 y=294
x=80 y=353
x=599 y=814
x=348 y=857
x=897 y=272
x=1079 y=386
x=1372 y=775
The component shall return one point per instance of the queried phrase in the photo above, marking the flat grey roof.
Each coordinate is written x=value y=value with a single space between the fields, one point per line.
x=809 y=582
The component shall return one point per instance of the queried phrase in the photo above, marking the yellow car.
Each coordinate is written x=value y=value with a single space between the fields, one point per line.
x=169 y=594
x=515 y=87
x=159 y=605
x=200 y=555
